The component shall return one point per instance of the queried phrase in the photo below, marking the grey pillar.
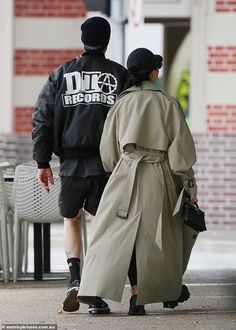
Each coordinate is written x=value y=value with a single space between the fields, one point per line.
x=117 y=41
x=6 y=65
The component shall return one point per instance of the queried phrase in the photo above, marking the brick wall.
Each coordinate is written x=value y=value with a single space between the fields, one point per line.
x=38 y=60
x=222 y=59
x=36 y=63
x=15 y=148
x=225 y=6
x=50 y=8
x=216 y=149
x=221 y=118
x=41 y=62
x=216 y=177
x=23 y=119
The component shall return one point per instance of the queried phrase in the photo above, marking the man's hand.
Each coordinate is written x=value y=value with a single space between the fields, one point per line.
x=44 y=177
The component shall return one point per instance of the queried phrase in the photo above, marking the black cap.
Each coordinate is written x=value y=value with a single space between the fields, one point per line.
x=142 y=59
x=96 y=32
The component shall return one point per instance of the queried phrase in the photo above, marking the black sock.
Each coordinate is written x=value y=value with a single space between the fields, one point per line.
x=74 y=268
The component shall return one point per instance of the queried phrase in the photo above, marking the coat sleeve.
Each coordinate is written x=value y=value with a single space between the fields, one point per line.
x=181 y=151
x=109 y=145
x=42 y=121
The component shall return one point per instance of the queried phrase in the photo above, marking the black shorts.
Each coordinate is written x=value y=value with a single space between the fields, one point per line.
x=80 y=192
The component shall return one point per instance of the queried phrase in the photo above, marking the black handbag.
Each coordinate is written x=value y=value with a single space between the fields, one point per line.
x=193 y=217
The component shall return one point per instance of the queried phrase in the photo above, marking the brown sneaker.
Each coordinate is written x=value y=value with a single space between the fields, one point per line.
x=71 y=304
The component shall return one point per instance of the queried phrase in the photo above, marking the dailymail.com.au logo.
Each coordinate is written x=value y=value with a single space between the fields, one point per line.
x=89 y=87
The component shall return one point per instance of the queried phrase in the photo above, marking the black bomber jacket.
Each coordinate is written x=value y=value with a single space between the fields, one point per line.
x=71 y=109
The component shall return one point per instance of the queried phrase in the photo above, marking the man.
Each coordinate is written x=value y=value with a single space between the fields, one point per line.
x=68 y=120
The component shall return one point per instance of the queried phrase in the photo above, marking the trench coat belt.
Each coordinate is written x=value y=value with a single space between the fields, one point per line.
x=133 y=159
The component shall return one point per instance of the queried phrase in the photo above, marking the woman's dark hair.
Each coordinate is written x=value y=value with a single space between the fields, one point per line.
x=138 y=77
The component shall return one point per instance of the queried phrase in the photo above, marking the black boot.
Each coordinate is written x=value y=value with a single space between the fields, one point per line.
x=185 y=294
x=135 y=309
x=96 y=304
x=170 y=304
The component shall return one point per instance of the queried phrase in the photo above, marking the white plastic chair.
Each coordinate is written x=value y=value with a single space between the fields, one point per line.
x=9 y=172
x=33 y=205
x=6 y=221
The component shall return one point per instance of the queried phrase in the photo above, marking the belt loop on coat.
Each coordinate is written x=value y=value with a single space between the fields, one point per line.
x=126 y=197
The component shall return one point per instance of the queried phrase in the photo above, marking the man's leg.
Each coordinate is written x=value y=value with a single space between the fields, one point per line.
x=72 y=243
x=72 y=249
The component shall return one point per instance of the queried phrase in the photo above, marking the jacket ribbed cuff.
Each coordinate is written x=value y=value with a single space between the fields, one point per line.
x=43 y=165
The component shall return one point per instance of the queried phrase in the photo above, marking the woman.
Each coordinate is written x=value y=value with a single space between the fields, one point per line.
x=147 y=146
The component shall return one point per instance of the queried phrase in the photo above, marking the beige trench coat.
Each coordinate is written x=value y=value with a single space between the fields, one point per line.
x=148 y=146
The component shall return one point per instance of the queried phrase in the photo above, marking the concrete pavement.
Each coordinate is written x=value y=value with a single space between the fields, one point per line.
x=211 y=278
x=212 y=306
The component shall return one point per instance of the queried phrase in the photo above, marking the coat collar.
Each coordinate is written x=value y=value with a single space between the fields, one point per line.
x=146 y=85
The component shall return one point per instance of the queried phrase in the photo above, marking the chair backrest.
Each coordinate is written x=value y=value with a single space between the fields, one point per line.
x=8 y=172
x=31 y=202
x=3 y=194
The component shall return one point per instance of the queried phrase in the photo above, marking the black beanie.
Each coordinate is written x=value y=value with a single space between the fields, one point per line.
x=96 y=32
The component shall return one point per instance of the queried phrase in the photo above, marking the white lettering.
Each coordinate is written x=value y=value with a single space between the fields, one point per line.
x=89 y=98
x=96 y=97
x=68 y=99
x=90 y=81
x=111 y=99
x=103 y=98
x=89 y=87
x=73 y=82
x=75 y=98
